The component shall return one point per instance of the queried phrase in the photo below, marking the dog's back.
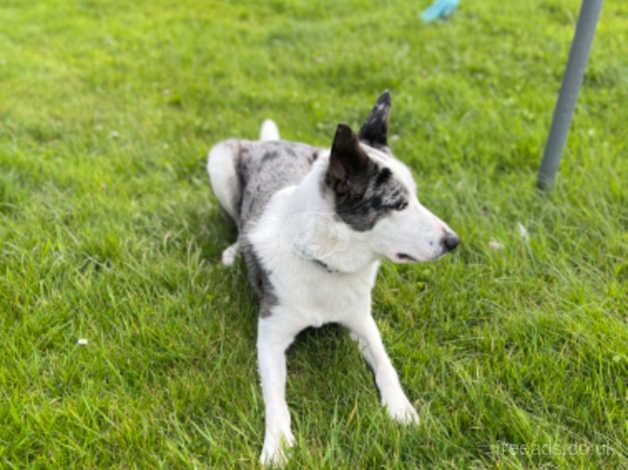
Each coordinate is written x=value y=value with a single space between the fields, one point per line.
x=265 y=167
x=245 y=174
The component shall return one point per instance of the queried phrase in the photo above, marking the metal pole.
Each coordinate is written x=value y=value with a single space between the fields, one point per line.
x=572 y=80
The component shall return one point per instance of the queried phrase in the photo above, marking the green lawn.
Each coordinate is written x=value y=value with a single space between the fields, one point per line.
x=514 y=358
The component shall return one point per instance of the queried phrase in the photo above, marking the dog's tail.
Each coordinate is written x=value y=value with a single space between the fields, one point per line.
x=269 y=130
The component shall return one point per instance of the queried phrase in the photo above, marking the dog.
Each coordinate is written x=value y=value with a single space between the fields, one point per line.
x=313 y=226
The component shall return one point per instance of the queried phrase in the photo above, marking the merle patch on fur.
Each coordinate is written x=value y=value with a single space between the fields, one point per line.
x=258 y=278
x=290 y=161
x=364 y=192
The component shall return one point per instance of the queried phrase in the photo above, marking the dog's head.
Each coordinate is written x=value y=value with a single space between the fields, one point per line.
x=375 y=195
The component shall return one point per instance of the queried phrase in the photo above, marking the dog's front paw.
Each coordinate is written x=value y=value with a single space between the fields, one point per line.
x=274 y=450
x=402 y=411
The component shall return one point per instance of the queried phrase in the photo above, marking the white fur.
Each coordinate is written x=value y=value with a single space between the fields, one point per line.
x=230 y=254
x=297 y=225
x=269 y=130
x=223 y=175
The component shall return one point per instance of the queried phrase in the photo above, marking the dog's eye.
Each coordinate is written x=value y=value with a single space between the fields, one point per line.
x=401 y=205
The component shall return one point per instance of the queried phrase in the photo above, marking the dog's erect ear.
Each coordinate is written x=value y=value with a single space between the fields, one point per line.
x=375 y=130
x=346 y=161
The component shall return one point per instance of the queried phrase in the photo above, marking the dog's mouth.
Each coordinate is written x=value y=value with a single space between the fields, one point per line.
x=406 y=258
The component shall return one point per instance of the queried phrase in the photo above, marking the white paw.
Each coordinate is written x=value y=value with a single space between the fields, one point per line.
x=402 y=411
x=230 y=254
x=273 y=453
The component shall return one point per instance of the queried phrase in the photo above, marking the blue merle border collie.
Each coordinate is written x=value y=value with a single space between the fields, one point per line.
x=313 y=227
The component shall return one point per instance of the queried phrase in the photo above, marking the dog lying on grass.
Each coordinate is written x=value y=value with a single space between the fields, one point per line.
x=314 y=226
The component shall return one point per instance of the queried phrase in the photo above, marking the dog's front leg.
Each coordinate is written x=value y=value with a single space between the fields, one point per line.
x=273 y=339
x=364 y=330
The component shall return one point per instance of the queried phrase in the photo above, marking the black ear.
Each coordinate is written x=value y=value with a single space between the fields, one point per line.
x=346 y=161
x=375 y=130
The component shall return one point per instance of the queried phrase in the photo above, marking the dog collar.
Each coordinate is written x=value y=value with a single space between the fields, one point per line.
x=317 y=261
x=323 y=265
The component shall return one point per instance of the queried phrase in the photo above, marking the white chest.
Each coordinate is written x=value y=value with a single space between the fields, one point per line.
x=319 y=297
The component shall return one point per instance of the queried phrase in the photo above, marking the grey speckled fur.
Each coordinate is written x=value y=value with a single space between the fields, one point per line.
x=265 y=167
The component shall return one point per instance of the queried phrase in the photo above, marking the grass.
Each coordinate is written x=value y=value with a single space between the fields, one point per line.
x=515 y=358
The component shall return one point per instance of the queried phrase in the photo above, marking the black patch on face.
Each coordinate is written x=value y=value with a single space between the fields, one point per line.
x=363 y=191
x=374 y=131
x=382 y=177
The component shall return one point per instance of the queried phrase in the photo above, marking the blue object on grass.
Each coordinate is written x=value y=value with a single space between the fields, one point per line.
x=439 y=9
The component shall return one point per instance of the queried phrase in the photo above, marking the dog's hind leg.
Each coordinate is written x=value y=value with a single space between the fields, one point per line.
x=230 y=254
x=222 y=167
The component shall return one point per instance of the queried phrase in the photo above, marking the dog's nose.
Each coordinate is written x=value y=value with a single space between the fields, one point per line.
x=450 y=241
